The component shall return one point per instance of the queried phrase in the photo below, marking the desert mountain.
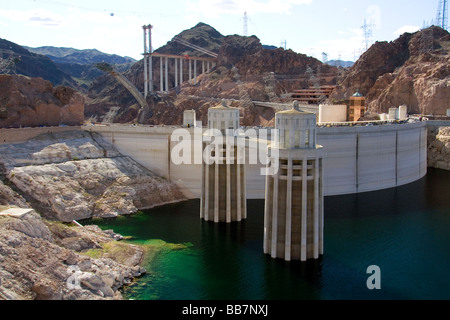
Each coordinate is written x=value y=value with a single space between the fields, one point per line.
x=87 y=56
x=201 y=35
x=33 y=65
x=245 y=71
x=341 y=63
x=80 y=64
x=413 y=70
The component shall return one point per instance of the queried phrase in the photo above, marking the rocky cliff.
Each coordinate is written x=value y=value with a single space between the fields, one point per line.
x=413 y=70
x=32 y=102
x=77 y=175
x=438 y=155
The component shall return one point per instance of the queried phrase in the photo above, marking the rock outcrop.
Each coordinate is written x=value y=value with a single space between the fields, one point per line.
x=438 y=155
x=45 y=260
x=33 y=102
x=413 y=70
x=77 y=175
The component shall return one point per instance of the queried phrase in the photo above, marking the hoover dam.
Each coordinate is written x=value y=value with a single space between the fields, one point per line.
x=356 y=158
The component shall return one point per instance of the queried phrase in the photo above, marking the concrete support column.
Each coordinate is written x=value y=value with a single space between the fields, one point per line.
x=244 y=191
x=161 y=75
x=304 y=210
x=145 y=63
x=181 y=71
x=274 y=214
x=150 y=74
x=190 y=71
x=206 y=192
x=228 y=206
x=167 y=75
x=176 y=72
x=321 y=207
x=203 y=66
x=288 y=230
x=216 y=190
x=195 y=71
x=316 y=208
x=239 y=192
x=267 y=195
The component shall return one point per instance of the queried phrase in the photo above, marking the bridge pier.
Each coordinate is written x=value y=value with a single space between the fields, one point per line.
x=148 y=66
x=164 y=84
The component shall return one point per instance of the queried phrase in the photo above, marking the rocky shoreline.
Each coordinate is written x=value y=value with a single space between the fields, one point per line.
x=43 y=260
x=56 y=179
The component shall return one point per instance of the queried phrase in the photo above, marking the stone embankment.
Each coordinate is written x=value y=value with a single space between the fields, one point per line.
x=77 y=175
x=439 y=147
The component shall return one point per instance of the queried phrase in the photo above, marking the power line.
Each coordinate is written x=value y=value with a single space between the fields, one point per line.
x=109 y=10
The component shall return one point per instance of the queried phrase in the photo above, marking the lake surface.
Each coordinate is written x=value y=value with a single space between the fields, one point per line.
x=405 y=231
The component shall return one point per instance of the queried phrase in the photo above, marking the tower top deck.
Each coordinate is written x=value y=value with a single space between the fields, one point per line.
x=297 y=128
x=223 y=117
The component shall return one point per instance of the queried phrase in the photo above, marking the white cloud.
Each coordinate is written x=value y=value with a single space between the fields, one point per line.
x=37 y=17
x=406 y=28
x=214 y=8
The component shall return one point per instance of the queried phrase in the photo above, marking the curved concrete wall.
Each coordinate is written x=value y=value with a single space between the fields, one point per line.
x=360 y=159
x=356 y=159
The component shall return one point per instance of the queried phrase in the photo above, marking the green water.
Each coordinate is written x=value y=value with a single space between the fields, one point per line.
x=405 y=231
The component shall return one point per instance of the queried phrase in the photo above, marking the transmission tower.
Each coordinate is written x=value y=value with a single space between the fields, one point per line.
x=245 y=24
x=8 y=63
x=367 y=30
x=442 y=14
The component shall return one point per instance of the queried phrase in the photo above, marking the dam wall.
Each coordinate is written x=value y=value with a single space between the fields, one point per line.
x=360 y=159
x=17 y=135
x=357 y=159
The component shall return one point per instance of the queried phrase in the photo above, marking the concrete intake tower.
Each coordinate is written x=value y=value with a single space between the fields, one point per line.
x=293 y=215
x=223 y=197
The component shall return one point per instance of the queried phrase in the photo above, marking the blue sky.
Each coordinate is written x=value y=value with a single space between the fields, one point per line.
x=305 y=26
